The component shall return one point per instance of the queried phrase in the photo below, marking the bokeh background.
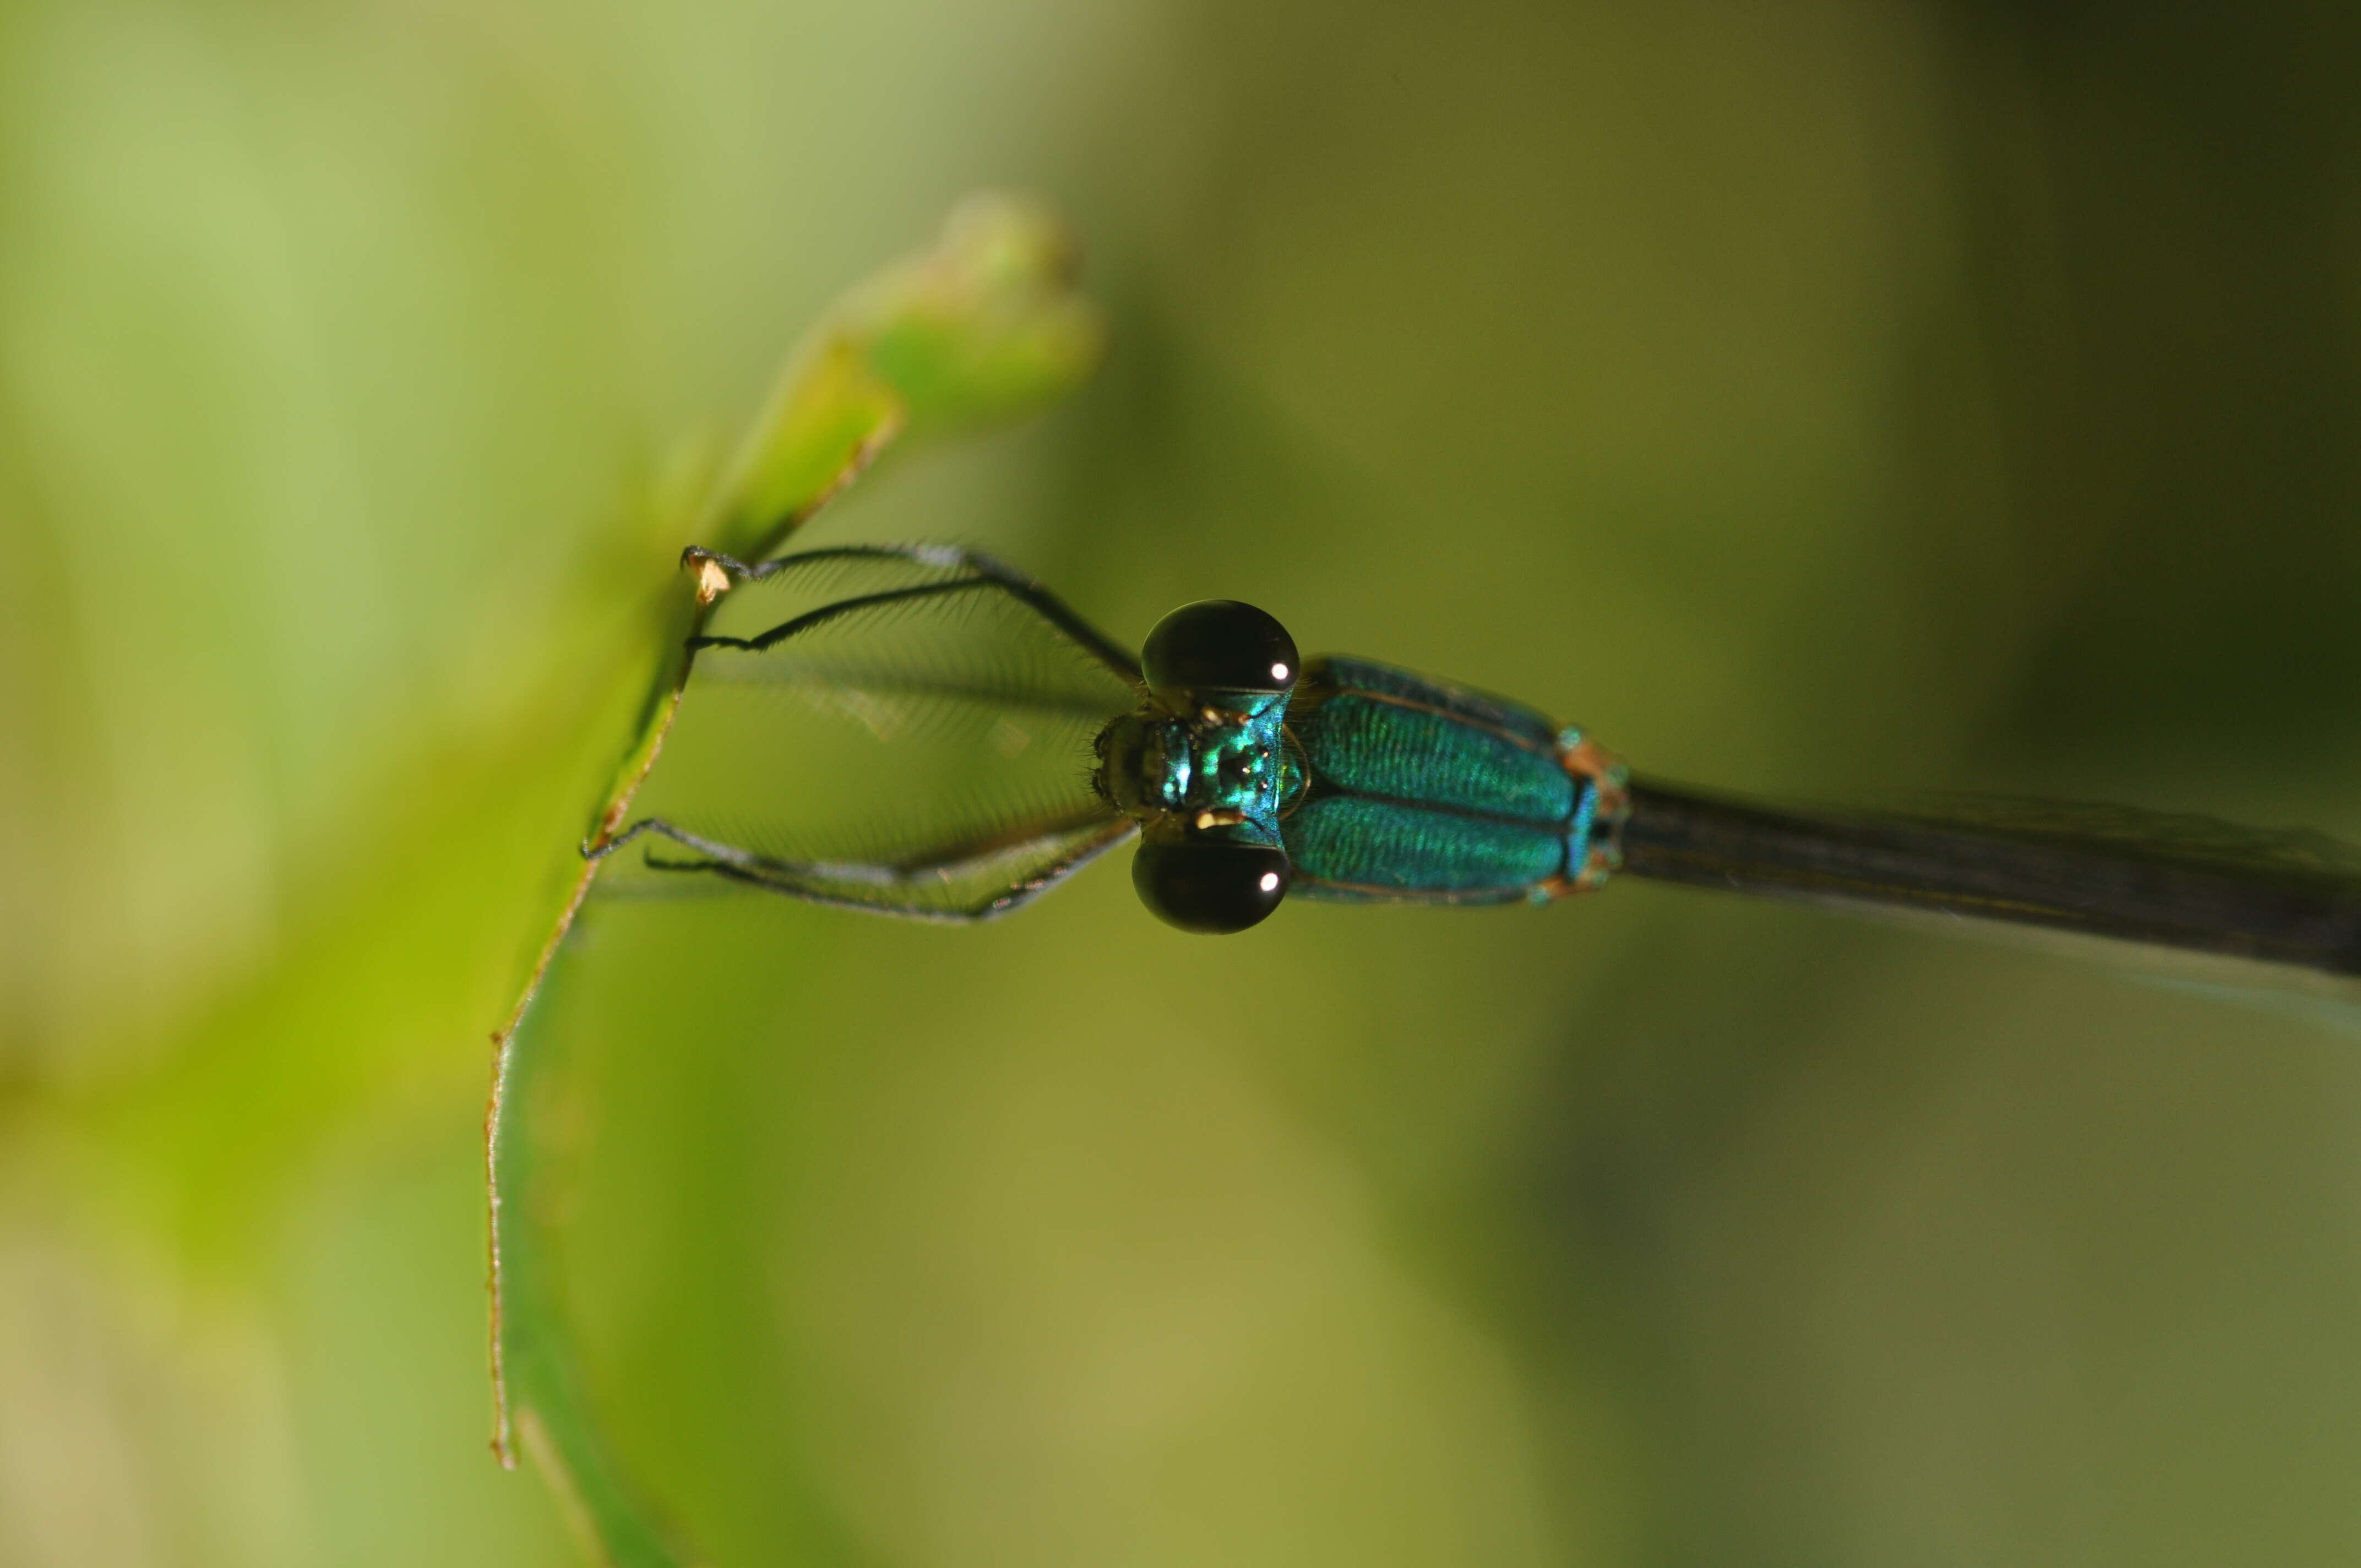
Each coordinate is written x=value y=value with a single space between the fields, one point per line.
x=1812 y=399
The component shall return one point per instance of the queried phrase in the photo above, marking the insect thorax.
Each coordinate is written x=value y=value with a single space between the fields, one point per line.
x=1217 y=772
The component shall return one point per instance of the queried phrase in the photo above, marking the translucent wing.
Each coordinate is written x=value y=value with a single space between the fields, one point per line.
x=2178 y=837
x=2165 y=880
x=904 y=729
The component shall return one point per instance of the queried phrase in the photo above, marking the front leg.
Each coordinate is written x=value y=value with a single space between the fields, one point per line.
x=917 y=886
x=969 y=570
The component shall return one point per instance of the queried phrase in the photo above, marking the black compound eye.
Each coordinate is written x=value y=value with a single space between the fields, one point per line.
x=1210 y=885
x=1218 y=645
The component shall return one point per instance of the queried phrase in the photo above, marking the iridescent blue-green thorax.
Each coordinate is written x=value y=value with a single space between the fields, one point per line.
x=1224 y=771
x=1381 y=785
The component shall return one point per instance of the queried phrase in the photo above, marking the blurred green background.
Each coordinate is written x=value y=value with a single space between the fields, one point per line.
x=1811 y=399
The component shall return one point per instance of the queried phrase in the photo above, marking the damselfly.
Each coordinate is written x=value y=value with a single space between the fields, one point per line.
x=1250 y=776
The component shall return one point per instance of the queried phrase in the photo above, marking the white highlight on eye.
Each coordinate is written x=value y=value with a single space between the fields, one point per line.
x=1271 y=882
x=1278 y=672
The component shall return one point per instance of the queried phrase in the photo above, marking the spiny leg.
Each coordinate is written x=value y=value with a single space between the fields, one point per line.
x=1061 y=844
x=984 y=572
x=809 y=880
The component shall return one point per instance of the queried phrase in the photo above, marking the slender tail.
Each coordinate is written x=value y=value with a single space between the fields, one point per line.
x=2281 y=898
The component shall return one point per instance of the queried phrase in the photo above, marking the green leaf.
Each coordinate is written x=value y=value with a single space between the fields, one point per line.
x=546 y=1405
x=983 y=327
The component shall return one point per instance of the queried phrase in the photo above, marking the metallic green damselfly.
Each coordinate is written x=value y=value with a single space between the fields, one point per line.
x=1251 y=776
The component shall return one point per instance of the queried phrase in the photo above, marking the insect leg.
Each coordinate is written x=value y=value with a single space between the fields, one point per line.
x=898 y=887
x=975 y=569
